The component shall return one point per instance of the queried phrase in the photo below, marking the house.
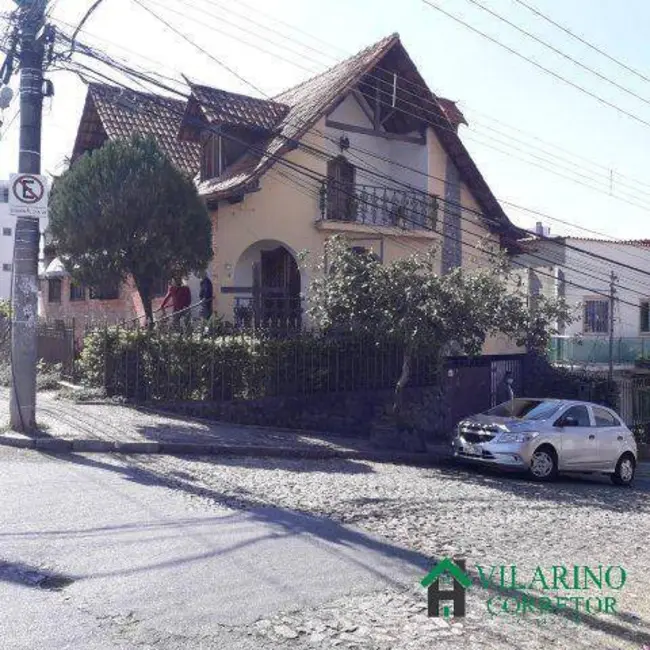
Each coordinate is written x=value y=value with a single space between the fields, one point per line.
x=585 y=271
x=364 y=149
x=7 y=232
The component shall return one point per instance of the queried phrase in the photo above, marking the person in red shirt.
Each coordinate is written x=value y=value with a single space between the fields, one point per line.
x=180 y=297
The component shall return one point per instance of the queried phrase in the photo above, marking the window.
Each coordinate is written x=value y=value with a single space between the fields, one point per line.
x=6 y=232
x=77 y=292
x=604 y=418
x=219 y=152
x=579 y=414
x=108 y=291
x=54 y=290
x=4 y=194
x=6 y=267
x=340 y=190
x=596 y=317
x=644 y=312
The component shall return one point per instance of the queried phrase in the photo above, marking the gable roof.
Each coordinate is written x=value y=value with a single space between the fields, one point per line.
x=222 y=107
x=285 y=119
x=316 y=97
x=112 y=113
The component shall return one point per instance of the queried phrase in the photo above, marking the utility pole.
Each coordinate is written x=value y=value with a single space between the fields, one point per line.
x=31 y=17
x=612 y=297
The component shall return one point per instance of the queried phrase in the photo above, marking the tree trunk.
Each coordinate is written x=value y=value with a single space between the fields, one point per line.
x=403 y=380
x=144 y=289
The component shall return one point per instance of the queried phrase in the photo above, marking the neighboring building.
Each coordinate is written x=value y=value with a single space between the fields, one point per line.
x=265 y=212
x=580 y=269
x=7 y=233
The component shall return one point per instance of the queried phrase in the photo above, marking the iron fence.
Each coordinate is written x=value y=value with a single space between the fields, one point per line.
x=188 y=366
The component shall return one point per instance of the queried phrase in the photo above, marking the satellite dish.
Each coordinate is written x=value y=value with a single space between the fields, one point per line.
x=6 y=95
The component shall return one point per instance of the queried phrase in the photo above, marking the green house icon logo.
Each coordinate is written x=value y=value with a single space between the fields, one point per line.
x=438 y=594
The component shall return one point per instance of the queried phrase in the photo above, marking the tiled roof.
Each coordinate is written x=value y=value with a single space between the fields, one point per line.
x=222 y=107
x=307 y=101
x=122 y=113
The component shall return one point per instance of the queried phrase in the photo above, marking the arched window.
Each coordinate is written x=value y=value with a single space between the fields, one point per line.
x=340 y=190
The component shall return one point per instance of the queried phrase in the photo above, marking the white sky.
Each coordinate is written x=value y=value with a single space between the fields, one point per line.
x=489 y=83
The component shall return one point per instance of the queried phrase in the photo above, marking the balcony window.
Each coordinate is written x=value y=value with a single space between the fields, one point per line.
x=596 y=317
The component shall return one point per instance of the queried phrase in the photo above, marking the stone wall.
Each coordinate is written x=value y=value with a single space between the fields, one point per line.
x=359 y=414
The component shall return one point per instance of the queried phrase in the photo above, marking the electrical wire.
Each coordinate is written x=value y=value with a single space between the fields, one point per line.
x=582 y=250
x=309 y=173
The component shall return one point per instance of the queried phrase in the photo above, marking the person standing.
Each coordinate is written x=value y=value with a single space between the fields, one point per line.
x=206 y=296
x=180 y=297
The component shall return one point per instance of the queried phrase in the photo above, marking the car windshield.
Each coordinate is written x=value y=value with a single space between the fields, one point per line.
x=525 y=409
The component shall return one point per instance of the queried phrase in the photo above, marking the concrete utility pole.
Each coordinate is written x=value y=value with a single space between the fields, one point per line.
x=31 y=18
x=612 y=297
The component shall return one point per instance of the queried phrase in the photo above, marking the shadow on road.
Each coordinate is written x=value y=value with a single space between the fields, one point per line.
x=283 y=523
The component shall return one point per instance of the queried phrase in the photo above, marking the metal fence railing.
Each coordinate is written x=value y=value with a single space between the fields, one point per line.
x=204 y=365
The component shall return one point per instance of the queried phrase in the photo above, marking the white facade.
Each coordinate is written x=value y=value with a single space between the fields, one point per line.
x=585 y=266
x=398 y=154
x=7 y=233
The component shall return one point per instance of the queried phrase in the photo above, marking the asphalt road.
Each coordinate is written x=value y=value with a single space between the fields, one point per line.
x=95 y=553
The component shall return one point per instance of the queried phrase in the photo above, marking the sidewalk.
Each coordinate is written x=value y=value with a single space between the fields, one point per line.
x=108 y=427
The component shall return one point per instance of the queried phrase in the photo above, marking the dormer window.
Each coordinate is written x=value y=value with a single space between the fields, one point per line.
x=220 y=151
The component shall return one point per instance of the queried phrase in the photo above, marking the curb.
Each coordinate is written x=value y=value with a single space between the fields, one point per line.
x=62 y=445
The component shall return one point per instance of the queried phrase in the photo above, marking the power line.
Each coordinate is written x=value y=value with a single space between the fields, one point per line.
x=618 y=196
x=593 y=47
x=311 y=174
x=518 y=54
x=436 y=119
x=557 y=51
x=484 y=217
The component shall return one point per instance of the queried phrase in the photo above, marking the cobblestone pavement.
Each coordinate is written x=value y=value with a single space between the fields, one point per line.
x=489 y=519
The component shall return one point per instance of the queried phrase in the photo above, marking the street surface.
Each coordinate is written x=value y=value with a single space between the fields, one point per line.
x=100 y=551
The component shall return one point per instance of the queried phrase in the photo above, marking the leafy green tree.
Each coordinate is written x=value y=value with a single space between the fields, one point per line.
x=125 y=211
x=409 y=299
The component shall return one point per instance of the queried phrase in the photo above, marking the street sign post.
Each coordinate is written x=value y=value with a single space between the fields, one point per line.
x=28 y=194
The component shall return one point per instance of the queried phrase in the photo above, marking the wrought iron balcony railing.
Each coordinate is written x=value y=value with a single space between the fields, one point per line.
x=379 y=206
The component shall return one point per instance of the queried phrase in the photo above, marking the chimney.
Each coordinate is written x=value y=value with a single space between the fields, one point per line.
x=541 y=230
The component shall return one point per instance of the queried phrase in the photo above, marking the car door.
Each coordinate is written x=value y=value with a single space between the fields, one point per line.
x=610 y=434
x=578 y=447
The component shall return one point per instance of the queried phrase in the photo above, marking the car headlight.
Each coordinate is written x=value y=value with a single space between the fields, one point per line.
x=516 y=437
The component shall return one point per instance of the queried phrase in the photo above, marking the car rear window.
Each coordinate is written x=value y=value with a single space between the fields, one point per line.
x=527 y=409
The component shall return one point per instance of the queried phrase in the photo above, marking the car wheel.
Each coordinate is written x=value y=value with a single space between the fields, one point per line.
x=543 y=464
x=625 y=470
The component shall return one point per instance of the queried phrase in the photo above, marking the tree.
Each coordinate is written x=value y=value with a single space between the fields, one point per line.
x=124 y=210
x=408 y=299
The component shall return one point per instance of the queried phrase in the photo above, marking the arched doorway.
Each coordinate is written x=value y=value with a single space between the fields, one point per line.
x=268 y=274
x=279 y=290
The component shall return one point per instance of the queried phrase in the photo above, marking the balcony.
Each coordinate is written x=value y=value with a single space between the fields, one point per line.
x=573 y=350
x=378 y=206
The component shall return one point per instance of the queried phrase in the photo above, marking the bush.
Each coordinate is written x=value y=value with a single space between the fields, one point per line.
x=201 y=366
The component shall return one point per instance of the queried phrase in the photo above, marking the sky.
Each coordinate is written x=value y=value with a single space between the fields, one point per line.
x=540 y=143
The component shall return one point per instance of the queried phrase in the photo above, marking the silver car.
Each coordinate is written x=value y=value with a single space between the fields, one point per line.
x=547 y=436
